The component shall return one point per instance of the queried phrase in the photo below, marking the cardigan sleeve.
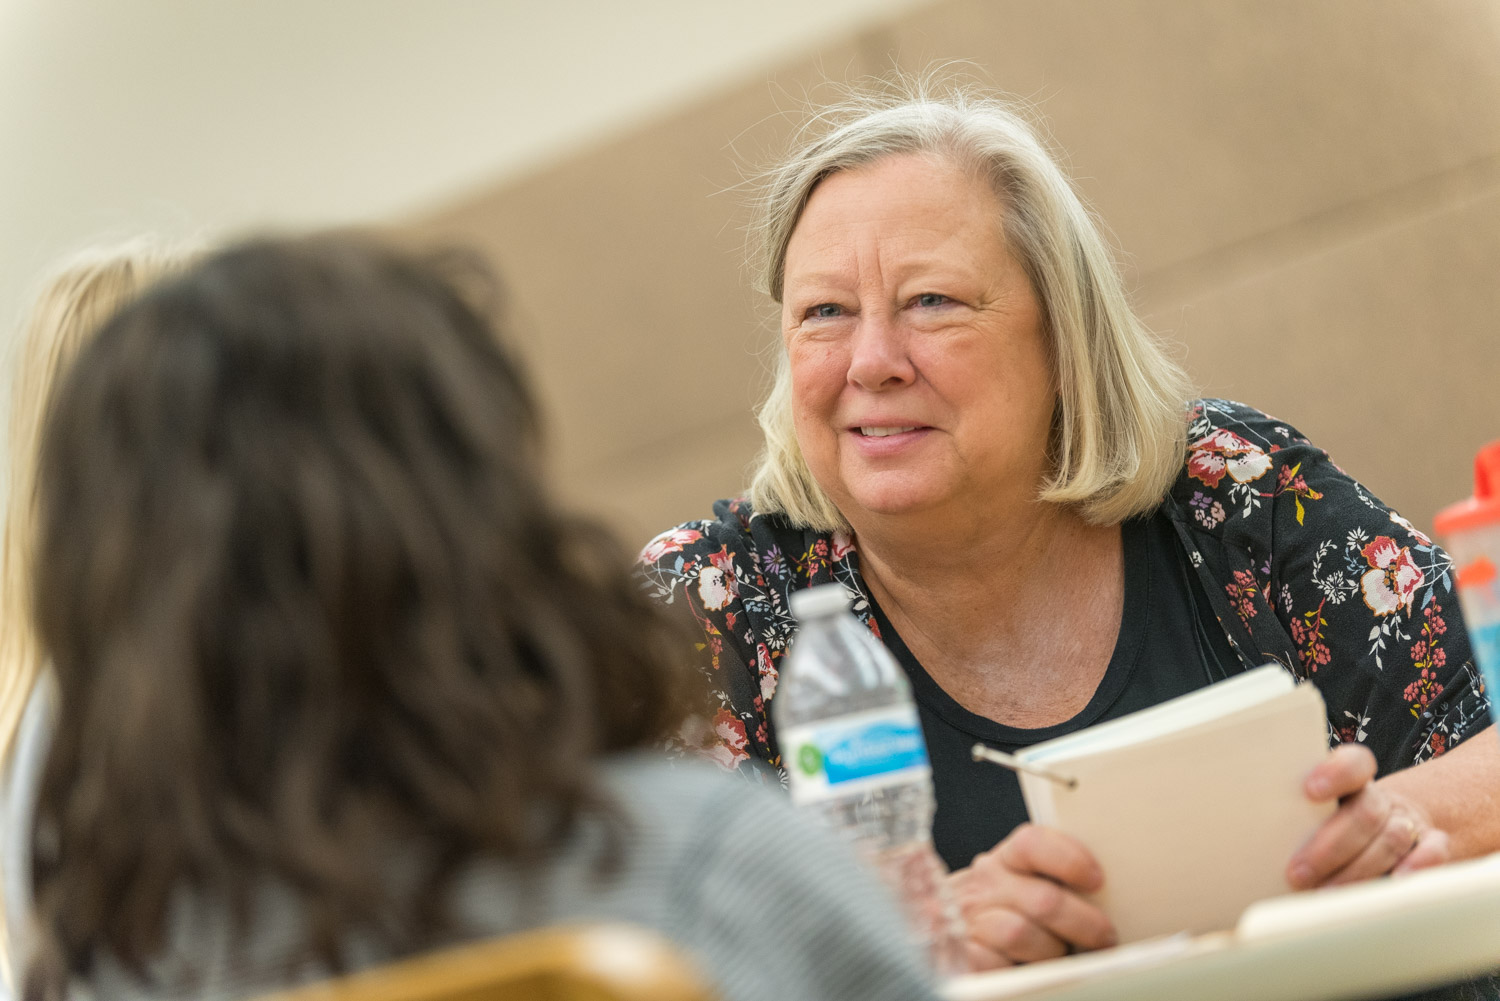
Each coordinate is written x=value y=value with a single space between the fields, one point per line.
x=1324 y=577
x=705 y=571
x=731 y=579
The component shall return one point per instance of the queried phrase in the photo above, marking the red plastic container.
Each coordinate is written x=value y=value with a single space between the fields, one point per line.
x=1470 y=531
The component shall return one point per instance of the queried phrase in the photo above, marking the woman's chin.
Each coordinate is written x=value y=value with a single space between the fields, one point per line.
x=915 y=503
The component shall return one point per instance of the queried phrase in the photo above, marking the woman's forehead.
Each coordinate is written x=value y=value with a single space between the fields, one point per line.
x=913 y=207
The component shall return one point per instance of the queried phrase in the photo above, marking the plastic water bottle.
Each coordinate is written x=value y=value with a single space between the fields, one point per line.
x=854 y=754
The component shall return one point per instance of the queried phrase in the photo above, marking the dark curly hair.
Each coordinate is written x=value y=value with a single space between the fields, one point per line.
x=307 y=602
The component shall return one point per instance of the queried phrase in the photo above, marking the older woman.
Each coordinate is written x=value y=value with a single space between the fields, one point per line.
x=972 y=432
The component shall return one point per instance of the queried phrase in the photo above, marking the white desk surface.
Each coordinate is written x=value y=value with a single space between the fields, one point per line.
x=1336 y=945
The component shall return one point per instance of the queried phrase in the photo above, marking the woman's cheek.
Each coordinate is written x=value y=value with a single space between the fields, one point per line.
x=812 y=420
x=819 y=371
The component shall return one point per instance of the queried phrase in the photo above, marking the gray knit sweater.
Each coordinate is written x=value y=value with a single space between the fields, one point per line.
x=767 y=905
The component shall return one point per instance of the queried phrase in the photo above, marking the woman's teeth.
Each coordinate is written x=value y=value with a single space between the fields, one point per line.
x=882 y=432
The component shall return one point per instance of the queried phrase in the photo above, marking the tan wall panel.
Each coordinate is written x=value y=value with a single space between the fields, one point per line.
x=1383 y=350
x=692 y=473
x=1195 y=125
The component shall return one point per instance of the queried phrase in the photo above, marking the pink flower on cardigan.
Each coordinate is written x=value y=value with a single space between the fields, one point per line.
x=1224 y=451
x=669 y=542
x=1393 y=578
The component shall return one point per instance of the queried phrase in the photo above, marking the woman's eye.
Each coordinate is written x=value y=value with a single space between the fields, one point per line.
x=931 y=299
x=825 y=311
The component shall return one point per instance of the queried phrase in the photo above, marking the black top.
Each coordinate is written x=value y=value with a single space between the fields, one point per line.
x=1169 y=644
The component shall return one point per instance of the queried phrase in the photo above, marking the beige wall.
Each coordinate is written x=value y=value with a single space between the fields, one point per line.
x=175 y=117
x=1307 y=193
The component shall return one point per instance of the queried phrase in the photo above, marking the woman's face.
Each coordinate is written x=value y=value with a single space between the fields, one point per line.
x=921 y=383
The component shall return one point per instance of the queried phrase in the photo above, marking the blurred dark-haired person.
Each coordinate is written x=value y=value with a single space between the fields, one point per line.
x=337 y=682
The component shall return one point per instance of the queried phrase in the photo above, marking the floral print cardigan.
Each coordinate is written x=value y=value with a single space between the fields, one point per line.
x=1301 y=564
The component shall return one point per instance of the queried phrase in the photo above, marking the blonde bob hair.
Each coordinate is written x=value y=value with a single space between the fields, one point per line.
x=1119 y=430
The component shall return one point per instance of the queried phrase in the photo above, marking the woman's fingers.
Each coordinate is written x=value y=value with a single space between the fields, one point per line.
x=1014 y=936
x=1021 y=899
x=1063 y=914
x=1361 y=833
x=982 y=957
x=1051 y=853
x=1347 y=769
x=1343 y=775
x=1027 y=851
x=1390 y=844
x=1432 y=849
x=1373 y=832
x=1053 y=909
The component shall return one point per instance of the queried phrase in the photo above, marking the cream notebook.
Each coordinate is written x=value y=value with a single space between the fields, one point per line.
x=1193 y=807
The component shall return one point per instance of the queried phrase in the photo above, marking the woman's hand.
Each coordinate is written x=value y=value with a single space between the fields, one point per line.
x=1021 y=900
x=1376 y=829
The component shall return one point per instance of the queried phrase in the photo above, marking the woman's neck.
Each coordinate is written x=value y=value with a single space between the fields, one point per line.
x=923 y=561
x=1035 y=597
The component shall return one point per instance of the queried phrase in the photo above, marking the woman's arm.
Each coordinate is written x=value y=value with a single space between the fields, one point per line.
x=1349 y=595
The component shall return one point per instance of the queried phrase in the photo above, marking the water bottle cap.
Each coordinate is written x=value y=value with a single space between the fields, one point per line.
x=818 y=602
x=1484 y=507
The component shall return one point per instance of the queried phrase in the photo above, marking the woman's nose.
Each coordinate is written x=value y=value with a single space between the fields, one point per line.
x=878 y=355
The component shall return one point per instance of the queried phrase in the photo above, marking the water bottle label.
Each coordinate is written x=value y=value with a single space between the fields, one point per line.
x=835 y=757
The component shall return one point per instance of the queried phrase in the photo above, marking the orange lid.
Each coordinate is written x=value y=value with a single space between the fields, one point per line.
x=1476 y=574
x=1484 y=507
